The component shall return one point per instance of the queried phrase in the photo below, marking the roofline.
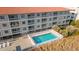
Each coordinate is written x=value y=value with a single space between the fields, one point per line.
x=27 y=12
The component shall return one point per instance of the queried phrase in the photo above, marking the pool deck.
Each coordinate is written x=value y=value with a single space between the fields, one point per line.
x=23 y=42
x=26 y=41
x=59 y=36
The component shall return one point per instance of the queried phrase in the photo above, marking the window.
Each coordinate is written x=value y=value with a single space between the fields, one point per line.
x=31 y=27
x=72 y=17
x=50 y=13
x=30 y=22
x=54 y=18
x=14 y=24
x=68 y=16
x=22 y=16
x=55 y=13
x=6 y=31
x=13 y=17
x=1 y=17
x=44 y=20
x=16 y=30
x=23 y=22
x=67 y=20
x=43 y=25
x=38 y=14
x=44 y=14
x=63 y=21
x=4 y=25
x=30 y=15
x=64 y=17
x=73 y=13
x=54 y=23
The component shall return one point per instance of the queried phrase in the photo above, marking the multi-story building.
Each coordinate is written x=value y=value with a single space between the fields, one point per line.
x=19 y=20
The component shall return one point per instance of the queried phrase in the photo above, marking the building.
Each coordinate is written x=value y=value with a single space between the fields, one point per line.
x=76 y=11
x=20 y=20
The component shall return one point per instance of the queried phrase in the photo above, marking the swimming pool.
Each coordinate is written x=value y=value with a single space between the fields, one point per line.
x=44 y=37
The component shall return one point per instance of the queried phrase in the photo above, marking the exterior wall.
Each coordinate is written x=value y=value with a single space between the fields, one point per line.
x=61 y=20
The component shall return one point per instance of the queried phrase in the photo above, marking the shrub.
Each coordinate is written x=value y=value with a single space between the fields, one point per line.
x=75 y=23
x=64 y=33
x=56 y=28
x=72 y=23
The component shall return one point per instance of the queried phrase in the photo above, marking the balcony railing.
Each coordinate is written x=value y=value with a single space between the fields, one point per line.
x=14 y=24
x=13 y=19
x=15 y=30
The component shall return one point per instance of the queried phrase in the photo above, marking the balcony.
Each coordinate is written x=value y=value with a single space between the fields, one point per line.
x=16 y=30
x=2 y=18
x=14 y=24
x=44 y=20
x=31 y=15
x=44 y=14
x=30 y=22
x=55 y=13
x=54 y=18
x=13 y=17
x=43 y=25
x=31 y=28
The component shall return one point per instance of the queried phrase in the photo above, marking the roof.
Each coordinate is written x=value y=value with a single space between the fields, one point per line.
x=20 y=10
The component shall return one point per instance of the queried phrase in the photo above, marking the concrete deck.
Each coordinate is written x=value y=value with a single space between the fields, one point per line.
x=59 y=36
x=23 y=42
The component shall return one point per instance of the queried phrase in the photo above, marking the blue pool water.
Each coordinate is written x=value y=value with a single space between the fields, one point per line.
x=44 y=37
